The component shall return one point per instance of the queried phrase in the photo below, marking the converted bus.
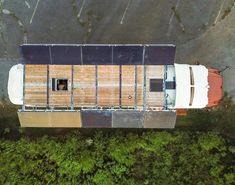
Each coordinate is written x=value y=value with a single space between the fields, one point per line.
x=108 y=85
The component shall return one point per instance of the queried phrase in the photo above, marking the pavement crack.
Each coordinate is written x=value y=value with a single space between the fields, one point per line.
x=2 y=37
x=17 y=19
x=88 y=22
x=178 y=18
x=171 y=19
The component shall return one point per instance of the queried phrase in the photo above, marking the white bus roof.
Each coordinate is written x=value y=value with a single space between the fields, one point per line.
x=190 y=95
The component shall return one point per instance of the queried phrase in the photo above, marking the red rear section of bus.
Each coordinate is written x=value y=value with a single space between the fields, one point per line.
x=215 y=92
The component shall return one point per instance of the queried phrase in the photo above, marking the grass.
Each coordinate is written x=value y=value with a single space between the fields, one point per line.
x=9 y=123
x=220 y=119
x=227 y=11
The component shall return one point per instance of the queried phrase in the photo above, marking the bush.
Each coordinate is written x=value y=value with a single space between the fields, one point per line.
x=150 y=158
x=220 y=119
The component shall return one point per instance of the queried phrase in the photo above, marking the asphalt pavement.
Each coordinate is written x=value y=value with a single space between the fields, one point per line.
x=202 y=30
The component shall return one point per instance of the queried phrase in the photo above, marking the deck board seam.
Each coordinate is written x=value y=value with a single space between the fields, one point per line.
x=72 y=87
x=136 y=76
x=23 y=106
x=48 y=79
x=96 y=86
x=120 y=85
x=144 y=90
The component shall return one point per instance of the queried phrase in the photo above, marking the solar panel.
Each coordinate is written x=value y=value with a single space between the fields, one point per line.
x=159 y=55
x=127 y=119
x=66 y=54
x=127 y=55
x=159 y=119
x=35 y=54
x=98 y=54
x=96 y=119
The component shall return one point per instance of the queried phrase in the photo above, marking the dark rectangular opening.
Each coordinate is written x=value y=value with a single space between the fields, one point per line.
x=156 y=85
x=59 y=84
x=170 y=85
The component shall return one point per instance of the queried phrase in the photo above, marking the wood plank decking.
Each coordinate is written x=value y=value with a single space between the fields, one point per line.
x=84 y=85
x=102 y=85
x=35 y=85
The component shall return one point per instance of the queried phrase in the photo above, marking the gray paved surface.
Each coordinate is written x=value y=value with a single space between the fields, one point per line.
x=216 y=48
x=198 y=28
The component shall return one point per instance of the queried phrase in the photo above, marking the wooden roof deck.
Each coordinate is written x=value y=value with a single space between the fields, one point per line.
x=93 y=86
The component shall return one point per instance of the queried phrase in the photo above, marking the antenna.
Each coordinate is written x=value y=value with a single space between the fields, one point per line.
x=226 y=67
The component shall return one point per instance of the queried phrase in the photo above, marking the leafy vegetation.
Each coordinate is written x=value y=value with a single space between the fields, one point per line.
x=9 y=124
x=148 y=158
x=228 y=10
x=220 y=118
x=203 y=153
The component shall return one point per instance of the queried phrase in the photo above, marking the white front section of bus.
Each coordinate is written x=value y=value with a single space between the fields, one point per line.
x=185 y=98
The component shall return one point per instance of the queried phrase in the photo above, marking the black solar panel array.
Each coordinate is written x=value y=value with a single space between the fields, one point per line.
x=98 y=54
x=128 y=119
